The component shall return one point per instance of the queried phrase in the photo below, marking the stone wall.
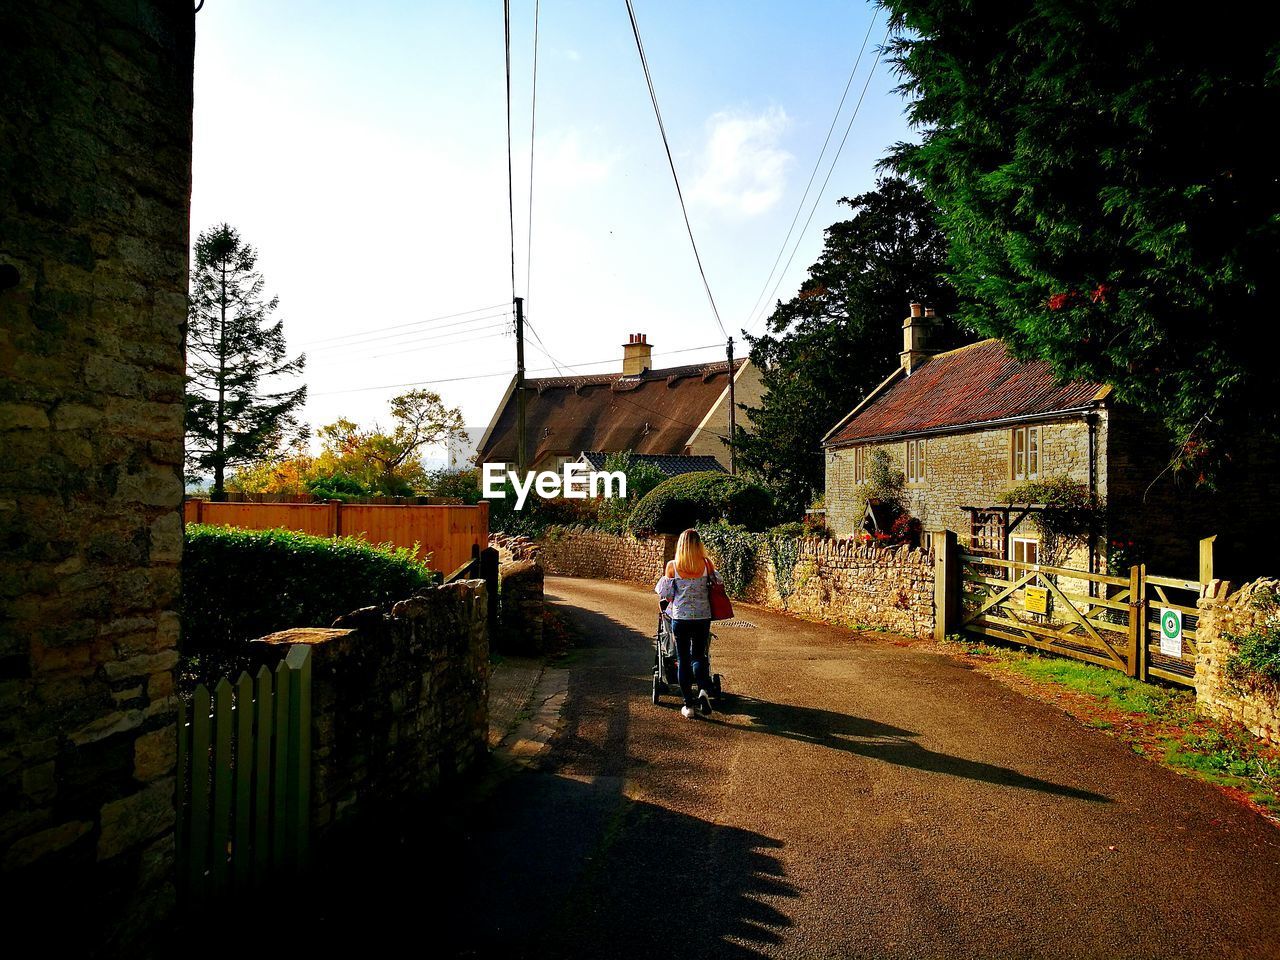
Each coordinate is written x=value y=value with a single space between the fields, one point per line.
x=512 y=547
x=963 y=469
x=1222 y=615
x=399 y=704
x=523 y=608
x=851 y=584
x=583 y=552
x=95 y=181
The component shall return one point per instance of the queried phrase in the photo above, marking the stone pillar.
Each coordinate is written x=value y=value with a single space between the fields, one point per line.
x=95 y=161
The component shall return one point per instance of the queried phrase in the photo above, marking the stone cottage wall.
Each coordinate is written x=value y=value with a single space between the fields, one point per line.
x=95 y=181
x=399 y=704
x=583 y=552
x=1223 y=615
x=964 y=469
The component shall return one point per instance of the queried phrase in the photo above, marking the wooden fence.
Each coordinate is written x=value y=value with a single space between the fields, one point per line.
x=1111 y=621
x=244 y=796
x=448 y=533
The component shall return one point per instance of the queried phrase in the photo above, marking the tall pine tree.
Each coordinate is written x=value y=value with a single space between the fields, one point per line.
x=235 y=354
x=828 y=346
x=1109 y=202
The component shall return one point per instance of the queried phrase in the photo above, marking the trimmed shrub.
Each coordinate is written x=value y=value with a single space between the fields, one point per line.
x=238 y=585
x=706 y=497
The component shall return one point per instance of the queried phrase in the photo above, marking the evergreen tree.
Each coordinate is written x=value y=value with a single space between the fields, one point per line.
x=828 y=347
x=234 y=353
x=1109 y=202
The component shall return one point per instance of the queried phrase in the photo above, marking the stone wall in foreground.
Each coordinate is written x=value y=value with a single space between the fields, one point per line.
x=399 y=704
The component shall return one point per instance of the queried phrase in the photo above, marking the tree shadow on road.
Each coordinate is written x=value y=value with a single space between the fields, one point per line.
x=880 y=741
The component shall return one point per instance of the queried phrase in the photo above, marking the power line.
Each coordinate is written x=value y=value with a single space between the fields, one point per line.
x=816 y=164
x=836 y=159
x=411 y=323
x=412 y=333
x=511 y=201
x=662 y=129
x=461 y=336
x=498 y=373
x=533 y=124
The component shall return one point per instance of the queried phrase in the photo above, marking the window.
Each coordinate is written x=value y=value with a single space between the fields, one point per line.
x=1025 y=453
x=859 y=464
x=915 y=461
x=1024 y=550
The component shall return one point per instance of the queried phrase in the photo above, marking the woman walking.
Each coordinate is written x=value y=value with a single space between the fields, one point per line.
x=685 y=585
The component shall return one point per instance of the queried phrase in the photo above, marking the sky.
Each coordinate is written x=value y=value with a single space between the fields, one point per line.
x=361 y=148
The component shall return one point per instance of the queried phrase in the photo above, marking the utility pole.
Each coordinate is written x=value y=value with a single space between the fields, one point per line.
x=521 y=457
x=733 y=414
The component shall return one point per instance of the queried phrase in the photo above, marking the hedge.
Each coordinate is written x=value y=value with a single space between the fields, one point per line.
x=705 y=497
x=238 y=585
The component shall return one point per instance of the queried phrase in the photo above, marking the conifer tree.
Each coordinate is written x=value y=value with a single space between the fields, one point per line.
x=237 y=413
x=1107 y=196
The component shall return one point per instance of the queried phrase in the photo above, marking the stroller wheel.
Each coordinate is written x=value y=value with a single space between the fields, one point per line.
x=657 y=688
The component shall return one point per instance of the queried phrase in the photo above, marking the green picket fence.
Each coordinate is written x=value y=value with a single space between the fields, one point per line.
x=244 y=760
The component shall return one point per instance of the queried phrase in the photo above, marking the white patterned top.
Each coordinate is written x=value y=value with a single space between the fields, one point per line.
x=689 y=599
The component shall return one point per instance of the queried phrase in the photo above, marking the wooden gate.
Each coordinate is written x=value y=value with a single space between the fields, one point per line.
x=244 y=765
x=1102 y=619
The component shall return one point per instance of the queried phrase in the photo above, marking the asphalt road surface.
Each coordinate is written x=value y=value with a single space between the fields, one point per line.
x=855 y=799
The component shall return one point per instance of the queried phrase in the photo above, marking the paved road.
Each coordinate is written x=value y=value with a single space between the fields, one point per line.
x=856 y=799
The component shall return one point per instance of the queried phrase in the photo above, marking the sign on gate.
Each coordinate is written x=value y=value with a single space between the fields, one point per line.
x=1035 y=600
x=1170 y=632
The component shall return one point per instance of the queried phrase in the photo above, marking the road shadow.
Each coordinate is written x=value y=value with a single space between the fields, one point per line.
x=879 y=741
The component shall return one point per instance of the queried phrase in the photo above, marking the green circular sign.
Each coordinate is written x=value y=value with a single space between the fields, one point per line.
x=1171 y=624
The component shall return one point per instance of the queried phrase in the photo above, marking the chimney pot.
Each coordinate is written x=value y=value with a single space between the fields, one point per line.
x=914 y=331
x=916 y=309
x=637 y=354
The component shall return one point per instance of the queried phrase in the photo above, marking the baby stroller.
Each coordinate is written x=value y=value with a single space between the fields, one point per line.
x=665 y=679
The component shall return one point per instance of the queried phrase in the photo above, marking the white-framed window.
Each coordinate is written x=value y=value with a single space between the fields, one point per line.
x=915 y=461
x=1024 y=550
x=859 y=464
x=1024 y=449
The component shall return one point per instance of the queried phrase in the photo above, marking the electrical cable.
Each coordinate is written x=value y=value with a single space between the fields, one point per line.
x=816 y=164
x=411 y=333
x=827 y=179
x=533 y=125
x=511 y=201
x=411 y=323
x=662 y=129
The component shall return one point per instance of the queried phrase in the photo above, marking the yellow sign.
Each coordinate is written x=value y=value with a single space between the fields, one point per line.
x=1035 y=600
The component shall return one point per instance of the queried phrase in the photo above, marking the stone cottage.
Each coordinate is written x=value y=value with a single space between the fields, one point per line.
x=967 y=425
x=675 y=411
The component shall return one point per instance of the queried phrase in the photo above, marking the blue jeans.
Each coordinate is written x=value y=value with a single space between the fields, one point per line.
x=692 y=662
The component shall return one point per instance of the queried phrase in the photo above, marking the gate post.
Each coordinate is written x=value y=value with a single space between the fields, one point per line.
x=1138 y=622
x=1206 y=561
x=946 y=584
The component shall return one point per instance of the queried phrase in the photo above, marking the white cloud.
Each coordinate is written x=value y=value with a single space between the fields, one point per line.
x=743 y=168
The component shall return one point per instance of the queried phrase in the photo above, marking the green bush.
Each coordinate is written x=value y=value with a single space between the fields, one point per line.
x=706 y=497
x=238 y=585
x=733 y=551
x=336 y=486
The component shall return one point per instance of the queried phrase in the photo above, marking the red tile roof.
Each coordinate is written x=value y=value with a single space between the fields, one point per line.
x=974 y=384
x=652 y=412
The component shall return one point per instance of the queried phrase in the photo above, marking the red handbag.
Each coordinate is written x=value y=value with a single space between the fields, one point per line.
x=721 y=607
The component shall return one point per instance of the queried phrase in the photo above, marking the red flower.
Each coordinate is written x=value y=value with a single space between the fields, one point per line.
x=1100 y=294
x=1059 y=300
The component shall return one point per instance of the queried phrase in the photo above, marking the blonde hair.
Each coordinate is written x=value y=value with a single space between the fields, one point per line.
x=691 y=556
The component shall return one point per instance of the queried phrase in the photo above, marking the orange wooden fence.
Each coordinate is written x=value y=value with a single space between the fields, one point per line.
x=446 y=532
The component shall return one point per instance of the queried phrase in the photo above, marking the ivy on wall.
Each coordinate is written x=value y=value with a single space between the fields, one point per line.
x=734 y=550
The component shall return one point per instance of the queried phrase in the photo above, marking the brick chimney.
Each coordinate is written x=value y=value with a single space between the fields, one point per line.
x=637 y=355
x=915 y=330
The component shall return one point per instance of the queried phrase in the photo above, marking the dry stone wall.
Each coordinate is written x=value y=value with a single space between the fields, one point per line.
x=850 y=584
x=95 y=163
x=399 y=704
x=1223 y=615
x=583 y=552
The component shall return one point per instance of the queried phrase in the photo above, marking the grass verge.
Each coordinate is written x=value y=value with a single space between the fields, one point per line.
x=1159 y=723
